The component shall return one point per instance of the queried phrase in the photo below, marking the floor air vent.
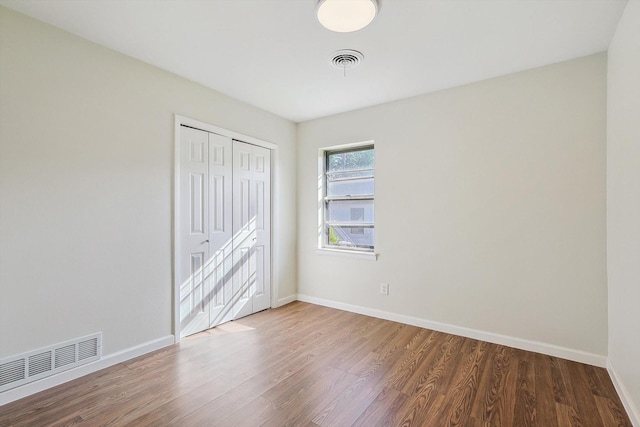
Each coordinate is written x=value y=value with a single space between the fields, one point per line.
x=34 y=365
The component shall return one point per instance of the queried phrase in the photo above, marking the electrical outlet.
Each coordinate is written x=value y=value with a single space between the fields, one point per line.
x=384 y=288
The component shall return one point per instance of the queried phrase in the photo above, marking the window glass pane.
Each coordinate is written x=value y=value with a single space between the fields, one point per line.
x=349 y=187
x=347 y=211
x=350 y=160
x=351 y=237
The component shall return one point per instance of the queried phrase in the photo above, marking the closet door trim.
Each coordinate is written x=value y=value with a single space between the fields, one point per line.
x=181 y=121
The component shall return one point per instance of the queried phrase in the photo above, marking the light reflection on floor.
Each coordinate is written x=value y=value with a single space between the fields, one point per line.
x=225 y=328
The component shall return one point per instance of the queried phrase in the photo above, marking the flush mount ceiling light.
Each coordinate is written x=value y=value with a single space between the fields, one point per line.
x=344 y=16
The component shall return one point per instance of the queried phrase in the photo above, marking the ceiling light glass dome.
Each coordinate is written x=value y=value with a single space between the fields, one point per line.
x=345 y=16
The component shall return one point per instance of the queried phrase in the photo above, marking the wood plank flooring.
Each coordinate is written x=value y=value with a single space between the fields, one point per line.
x=307 y=365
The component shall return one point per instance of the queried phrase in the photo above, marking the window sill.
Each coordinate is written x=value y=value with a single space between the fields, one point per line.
x=371 y=256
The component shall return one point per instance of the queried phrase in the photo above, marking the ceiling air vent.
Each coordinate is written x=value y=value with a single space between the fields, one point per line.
x=346 y=59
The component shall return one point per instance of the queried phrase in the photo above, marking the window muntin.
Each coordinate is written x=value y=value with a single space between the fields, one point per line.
x=349 y=199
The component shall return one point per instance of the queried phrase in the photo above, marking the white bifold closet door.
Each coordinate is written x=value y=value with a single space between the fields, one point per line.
x=224 y=238
x=251 y=228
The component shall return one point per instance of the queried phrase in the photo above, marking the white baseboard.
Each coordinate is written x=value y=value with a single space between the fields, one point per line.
x=523 y=344
x=287 y=300
x=629 y=406
x=72 y=374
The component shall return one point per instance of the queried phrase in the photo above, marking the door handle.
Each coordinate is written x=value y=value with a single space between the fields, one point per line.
x=206 y=241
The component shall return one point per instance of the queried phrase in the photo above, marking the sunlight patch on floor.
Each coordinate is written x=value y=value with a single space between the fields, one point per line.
x=231 y=327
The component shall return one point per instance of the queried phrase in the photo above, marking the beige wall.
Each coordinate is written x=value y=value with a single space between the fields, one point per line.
x=86 y=187
x=490 y=207
x=623 y=204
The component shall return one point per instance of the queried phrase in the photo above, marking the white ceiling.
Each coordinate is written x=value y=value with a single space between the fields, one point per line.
x=275 y=55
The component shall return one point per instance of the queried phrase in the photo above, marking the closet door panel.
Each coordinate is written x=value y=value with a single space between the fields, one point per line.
x=261 y=183
x=193 y=248
x=221 y=230
x=244 y=230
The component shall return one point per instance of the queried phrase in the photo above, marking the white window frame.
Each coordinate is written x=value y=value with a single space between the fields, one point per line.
x=323 y=246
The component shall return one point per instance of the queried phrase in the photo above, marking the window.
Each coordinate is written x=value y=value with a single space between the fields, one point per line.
x=347 y=195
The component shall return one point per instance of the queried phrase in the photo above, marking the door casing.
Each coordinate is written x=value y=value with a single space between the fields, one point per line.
x=181 y=121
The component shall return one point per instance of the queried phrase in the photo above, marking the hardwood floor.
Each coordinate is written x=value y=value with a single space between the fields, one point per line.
x=307 y=365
